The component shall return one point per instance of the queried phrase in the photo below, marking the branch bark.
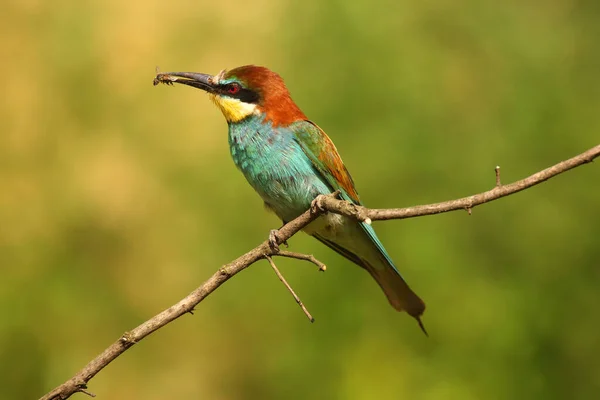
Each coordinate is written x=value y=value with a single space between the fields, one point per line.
x=328 y=203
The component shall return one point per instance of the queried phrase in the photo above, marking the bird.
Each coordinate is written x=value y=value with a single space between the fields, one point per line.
x=289 y=161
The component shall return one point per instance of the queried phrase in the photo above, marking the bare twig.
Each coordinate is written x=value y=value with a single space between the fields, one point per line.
x=304 y=257
x=287 y=285
x=82 y=390
x=497 y=170
x=465 y=203
x=324 y=204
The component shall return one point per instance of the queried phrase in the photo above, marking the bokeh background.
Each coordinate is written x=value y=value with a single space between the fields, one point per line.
x=118 y=198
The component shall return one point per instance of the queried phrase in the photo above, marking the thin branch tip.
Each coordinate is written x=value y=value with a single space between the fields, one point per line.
x=497 y=170
x=289 y=288
x=82 y=390
x=303 y=257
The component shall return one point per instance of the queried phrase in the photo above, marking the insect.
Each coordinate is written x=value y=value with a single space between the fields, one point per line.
x=163 y=78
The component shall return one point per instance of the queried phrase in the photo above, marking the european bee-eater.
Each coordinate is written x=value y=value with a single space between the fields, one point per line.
x=289 y=161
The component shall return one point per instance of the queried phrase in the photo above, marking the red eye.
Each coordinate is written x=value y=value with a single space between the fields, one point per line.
x=233 y=88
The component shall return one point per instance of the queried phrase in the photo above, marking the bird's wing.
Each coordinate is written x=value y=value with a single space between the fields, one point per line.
x=324 y=156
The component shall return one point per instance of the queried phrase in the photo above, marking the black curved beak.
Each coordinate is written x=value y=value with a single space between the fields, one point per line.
x=194 y=79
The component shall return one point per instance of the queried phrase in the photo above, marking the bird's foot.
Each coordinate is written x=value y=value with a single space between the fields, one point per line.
x=316 y=206
x=274 y=241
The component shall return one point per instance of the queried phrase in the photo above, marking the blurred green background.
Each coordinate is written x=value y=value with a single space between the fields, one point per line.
x=117 y=199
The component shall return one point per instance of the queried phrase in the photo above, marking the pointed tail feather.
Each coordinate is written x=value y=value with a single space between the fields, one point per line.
x=399 y=294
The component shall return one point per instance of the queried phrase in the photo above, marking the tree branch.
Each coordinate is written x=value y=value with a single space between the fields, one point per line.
x=329 y=203
x=465 y=203
x=300 y=256
x=289 y=288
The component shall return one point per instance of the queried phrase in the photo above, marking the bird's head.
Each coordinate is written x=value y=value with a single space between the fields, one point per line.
x=243 y=92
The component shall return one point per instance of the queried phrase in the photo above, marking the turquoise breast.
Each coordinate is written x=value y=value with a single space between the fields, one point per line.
x=275 y=165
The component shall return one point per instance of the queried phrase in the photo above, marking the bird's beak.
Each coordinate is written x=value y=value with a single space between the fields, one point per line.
x=201 y=81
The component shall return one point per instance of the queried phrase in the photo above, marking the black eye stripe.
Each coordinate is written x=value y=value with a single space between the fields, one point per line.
x=245 y=95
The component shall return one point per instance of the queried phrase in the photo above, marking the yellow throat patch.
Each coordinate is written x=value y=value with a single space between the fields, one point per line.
x=234 y=110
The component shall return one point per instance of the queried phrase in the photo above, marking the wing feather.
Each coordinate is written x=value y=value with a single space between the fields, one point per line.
x=323 y=154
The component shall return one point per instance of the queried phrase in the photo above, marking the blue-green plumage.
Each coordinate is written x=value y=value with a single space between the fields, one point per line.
x=274 y=164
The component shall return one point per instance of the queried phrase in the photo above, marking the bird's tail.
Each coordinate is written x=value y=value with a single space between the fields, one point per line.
x=371 y=255
x=382 y=269
x=397 y=291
